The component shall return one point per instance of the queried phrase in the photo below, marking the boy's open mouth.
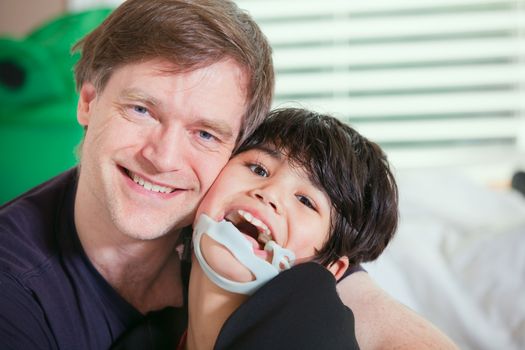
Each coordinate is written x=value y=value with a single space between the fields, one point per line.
x=250 y=226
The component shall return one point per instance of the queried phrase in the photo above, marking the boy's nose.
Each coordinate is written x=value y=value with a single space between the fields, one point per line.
x=268 y=197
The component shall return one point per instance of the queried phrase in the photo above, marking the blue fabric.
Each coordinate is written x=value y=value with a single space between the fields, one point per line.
x=51 y=295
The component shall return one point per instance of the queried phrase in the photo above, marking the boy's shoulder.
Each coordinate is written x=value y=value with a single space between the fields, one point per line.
x=299 y=308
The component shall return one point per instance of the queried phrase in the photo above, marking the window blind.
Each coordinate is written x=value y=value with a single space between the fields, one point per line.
x=434 y=82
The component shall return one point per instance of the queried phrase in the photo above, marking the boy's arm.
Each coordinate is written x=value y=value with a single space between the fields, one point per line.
x=383 y=323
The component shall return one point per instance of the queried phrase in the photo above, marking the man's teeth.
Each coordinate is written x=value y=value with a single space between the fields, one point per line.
x=261 y=226
x=149 y=186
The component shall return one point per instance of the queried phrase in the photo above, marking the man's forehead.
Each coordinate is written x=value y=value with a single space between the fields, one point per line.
x=198 y=74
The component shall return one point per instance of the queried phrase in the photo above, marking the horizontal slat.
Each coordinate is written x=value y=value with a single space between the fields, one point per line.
x=482 y=157
x=396 y=53
x=382 y=28
x=439 y=130
x=389 y=80
x=419 y=60
x=264 y=9
x=413 y=105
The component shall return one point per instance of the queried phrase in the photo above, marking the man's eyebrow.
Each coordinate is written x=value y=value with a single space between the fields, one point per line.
x=223 y=130
x=137 y=95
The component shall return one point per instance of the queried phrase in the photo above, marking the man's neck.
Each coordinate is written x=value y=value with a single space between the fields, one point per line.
x=147 y=280
x=209 y=307
x=145 y=273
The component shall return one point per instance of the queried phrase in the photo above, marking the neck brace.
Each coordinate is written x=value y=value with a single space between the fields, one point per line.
x=231 y=238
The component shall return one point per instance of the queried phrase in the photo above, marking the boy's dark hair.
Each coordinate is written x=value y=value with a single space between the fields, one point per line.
x=351 y=170
x=190 y=34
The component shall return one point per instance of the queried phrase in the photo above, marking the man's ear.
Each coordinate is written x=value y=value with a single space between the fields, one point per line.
x=87 y=95
x=338 y=267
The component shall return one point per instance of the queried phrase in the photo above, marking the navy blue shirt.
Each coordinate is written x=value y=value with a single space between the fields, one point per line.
x=51 y=296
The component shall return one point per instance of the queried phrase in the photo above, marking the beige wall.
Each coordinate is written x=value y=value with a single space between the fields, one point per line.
x=18 y=17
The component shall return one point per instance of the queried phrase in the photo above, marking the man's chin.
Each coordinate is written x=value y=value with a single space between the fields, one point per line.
x=146 y=223
x=143 y=230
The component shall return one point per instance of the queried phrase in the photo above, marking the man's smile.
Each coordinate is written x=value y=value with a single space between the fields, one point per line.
x=149 y=185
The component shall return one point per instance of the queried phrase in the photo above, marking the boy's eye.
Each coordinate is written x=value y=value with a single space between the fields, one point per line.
x=304 y=200
x=258 y=170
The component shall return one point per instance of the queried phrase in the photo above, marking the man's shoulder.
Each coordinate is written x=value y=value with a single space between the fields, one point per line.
x=27 y=224
x=42 y=192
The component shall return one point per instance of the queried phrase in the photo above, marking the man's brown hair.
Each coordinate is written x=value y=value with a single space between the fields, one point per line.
x=191 y=34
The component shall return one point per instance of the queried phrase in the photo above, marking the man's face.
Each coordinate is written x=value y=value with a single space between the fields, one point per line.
x=260 y=192
x=155 y=142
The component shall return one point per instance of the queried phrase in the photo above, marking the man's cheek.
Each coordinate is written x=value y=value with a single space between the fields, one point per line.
x=210 y=173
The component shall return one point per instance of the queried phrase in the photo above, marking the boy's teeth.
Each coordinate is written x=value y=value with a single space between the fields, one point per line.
x=256 y=222
x=246 y=215
x=149 y=186
x=264 y=237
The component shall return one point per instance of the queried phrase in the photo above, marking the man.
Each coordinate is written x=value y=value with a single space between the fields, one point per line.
x=167 y=89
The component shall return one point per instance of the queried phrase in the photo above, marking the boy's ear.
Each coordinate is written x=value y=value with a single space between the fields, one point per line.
x=338 y=267
x=87 y=95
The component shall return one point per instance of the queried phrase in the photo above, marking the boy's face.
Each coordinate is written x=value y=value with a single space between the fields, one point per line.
x=259 y=191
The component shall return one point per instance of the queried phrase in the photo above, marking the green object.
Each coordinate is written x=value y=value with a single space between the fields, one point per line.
x=38 y=127
x=60 y=35
x=31 y=80
x=35 y=152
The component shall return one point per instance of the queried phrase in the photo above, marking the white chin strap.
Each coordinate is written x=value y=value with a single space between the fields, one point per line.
x=231 y=238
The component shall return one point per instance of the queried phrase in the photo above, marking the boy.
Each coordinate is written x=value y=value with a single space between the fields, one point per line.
x=304 y=187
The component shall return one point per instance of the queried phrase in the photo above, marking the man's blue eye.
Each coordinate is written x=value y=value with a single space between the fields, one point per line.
x=140 y=109
x=304 y=200
x=258 y=170
x=205 y=135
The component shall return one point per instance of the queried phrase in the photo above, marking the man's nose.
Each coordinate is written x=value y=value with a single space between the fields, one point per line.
x=165 y=149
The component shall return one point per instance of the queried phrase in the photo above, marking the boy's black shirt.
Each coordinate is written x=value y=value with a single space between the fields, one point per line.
x=298 y=309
